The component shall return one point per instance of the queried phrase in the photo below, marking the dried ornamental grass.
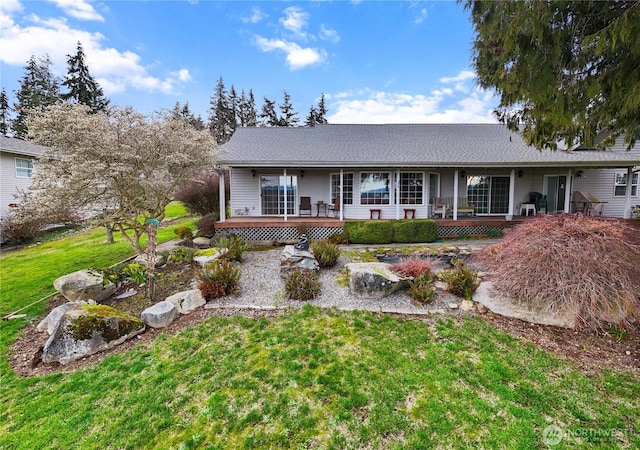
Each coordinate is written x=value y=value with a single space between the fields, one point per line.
x=586 y=265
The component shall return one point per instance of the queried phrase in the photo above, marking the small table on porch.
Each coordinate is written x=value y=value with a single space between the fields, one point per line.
x=526 y=208
x=322 y=207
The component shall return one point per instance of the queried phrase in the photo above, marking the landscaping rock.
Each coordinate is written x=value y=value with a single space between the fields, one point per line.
x=508 y=307
x=467 y=305
x=159 y=260
x=50 y=323
x=187 y=301
x=453 y=306
x=373 y=280
x=210 y=255
x=293 y=258
x=87 y=330
x=202 y=242
x=84 y=285
x=160 y=315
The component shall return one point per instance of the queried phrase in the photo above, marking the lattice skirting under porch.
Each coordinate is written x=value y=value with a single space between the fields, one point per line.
x=275 y=235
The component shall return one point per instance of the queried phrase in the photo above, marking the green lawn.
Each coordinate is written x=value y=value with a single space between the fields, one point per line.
x=306 y=379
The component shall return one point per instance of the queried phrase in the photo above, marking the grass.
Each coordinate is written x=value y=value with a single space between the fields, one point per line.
x=306 y=379
x=314 y=379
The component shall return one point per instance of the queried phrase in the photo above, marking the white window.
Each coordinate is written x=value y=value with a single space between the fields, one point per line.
x=347 y=185
x=24 y=168
x=374 y=188
x=411 y=188
x=620 y=184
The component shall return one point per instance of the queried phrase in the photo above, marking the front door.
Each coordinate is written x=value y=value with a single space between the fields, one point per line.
x=272 y=194
x=555 y=188
x=489 y=194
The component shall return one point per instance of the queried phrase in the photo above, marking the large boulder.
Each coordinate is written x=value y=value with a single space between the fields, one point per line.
x=373 y=280
x=206 y=256
x=202 y=242
x=187 y=301
x=160 y=315
x=84 y=285
x=158 y=260
x=50 y=323
x=294 y=258
x=88 y=330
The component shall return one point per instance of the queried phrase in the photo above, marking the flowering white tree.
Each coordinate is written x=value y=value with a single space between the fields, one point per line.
x=121 y=163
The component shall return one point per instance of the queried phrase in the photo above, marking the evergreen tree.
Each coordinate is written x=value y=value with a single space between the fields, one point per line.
x=289 y=116
x=221 y=121
x=38 y=88
x=311 y=121
x=5 y=119
x=268 y=115
x=82 y=87
x=322 y=111
x=184 y=112
x=247 y=114
x=233 y=106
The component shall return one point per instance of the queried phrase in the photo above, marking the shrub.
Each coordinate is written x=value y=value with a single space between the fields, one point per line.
x=206 y=225
x=586 y=265
x=236 y=245
x=370 y=232
x=461 y=280
x=201 y=194
x=326 y=253
x=411 y=267
x=183 y=232
x=414 y=230
x=302 y=285
x=339 y=238
x=182 y=255
x=19 y=227
x=220 y=276
x=134 y=272
x=421 y=288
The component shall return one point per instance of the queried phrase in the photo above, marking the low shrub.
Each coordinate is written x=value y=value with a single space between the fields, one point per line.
x=326 y=253
x=339 y=238
x=461 y=280
x=370 y=232
x=414 y=230
x=182 y=255
x=206 y=225
x=18 y=228
x=302 y=285
x=201 y=194
x=421 y=288
x=580 y=264
x=183 y=232
x=411 y=267
x=134 y=272
x=219 y=278
x=236 y=246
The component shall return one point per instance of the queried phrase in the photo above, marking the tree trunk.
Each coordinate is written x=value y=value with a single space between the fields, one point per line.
x=110 y=239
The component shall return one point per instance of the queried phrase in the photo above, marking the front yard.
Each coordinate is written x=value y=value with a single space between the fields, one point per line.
x=305 y=378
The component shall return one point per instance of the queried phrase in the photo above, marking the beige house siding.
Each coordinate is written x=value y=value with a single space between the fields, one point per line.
x=10 y=183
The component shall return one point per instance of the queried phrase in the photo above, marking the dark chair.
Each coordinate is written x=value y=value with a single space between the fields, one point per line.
x=305 y=206
x=335 y=207
x=539 y=200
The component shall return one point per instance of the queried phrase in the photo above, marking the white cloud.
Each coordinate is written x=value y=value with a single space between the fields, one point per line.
x=297 y=57
x=295 y=20
x=462 y=76
x=440 y=106
x=115 y=70
x=256 y=16
x=80 y=9
x=421 y=16
x=328 y=34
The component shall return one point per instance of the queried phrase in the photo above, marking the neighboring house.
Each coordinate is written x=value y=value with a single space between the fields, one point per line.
x=16 y=169
x=393 y=168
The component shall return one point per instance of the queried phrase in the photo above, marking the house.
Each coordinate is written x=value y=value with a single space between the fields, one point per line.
x=16 y=169
x=391 y=168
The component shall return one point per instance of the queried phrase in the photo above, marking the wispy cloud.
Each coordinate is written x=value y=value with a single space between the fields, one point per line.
x=295 y=20
x=256 y=16
x=421 y=13
x=462 y=76
x=328 y=34
x=79 y=9
x=297 y=56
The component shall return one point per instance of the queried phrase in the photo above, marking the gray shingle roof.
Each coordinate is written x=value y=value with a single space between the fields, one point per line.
x=19 y=146
x=428 y=145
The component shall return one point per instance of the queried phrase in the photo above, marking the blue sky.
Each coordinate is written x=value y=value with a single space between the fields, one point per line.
x=375 y=61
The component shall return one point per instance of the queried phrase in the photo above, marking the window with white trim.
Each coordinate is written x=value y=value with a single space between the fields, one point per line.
x=411 y=188
x=347 y=187
x=375 y=188
x=620 y=184
x=24 y=168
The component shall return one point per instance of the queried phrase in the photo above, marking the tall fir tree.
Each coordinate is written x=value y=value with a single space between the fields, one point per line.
x=184 y=112
x=233 y=106
x=38 y=88
x=220 y=114
x=82 y=87
x=317 y=115
x=289 y=116
x=5 y=118
x=247 y=114
x=268 y=116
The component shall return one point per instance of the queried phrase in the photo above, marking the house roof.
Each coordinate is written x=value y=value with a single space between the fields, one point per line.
x=397 y=146
x=20 y=147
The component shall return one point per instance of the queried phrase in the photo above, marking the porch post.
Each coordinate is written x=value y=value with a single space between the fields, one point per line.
x=221 y=193
x=341 y=196
x=512 y=193
x=456 y=175
x=285 y=195
x=397 y=200
x=627 y=194
x=567 y=192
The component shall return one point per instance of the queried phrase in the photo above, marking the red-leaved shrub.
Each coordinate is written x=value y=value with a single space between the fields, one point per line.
x=411 y=267
x=589 y=266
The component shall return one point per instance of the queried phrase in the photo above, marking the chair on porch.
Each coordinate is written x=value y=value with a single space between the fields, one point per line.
x=335 y=207
x=305 y=206
x=440 y=207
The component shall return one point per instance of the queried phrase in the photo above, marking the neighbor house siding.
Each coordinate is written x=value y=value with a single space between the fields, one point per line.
x=9 y=182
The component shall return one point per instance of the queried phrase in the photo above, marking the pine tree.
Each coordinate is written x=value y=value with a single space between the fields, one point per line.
x=247 y=114
x=233 y=108
x=322 y=111
x=184 y=112
x=82 y=87
x=268 y=115
x=221 y=121
x=38 y=88
x=289 y=116
x=5 y=119
x=311 y=119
